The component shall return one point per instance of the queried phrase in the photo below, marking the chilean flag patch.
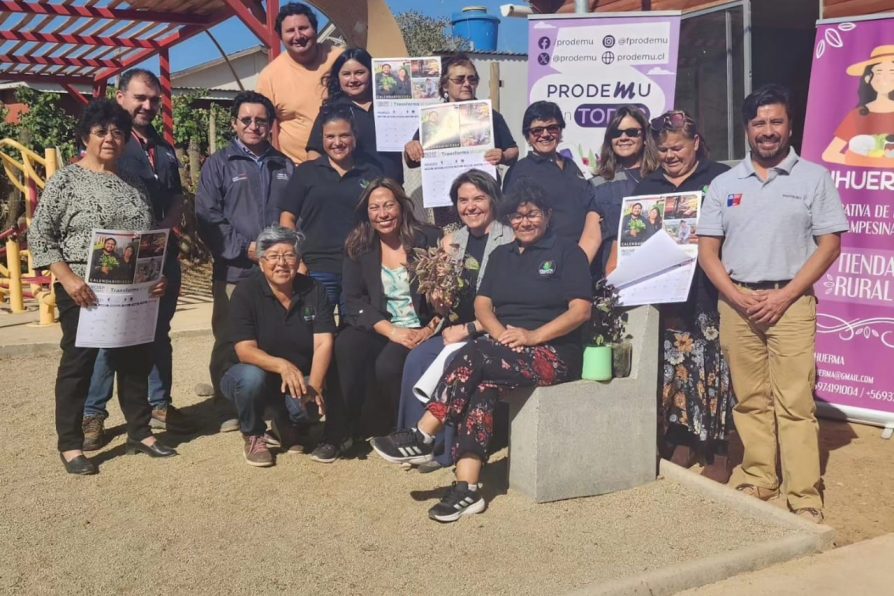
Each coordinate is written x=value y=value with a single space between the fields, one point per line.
x=733 y=200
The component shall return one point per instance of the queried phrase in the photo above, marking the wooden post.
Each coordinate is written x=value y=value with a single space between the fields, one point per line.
x=212 y=131
x=495 y=85
x=14 y=264
x=167 y=102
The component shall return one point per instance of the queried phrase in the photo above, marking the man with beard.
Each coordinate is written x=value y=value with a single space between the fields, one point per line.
x=294 y=80
x=148 y=157
x=776 y=219
x=633 y=229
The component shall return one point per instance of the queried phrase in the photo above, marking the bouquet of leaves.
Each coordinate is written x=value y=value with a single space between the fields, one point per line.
x=636 y=227
x=439 y=277
x=108 y=262
x=608 y=324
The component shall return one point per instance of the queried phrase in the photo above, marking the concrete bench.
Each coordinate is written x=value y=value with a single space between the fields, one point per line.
x=587 y=438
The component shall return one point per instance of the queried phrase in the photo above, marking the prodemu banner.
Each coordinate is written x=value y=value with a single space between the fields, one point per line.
x=590 y=66
x=849 y=128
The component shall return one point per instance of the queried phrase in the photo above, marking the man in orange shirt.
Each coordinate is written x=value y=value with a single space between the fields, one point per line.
x=294 y=80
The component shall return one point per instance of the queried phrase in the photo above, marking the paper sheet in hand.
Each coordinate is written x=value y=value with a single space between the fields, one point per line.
x=400 y=87
x=455 y=137
x=122 y=267
x=424 y=388
x=658 y=271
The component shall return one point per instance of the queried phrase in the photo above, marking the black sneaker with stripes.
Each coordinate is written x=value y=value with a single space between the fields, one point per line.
x=458 y=501
x=403 y=446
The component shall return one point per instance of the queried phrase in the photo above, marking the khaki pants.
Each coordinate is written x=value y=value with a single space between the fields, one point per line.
x=773 y=374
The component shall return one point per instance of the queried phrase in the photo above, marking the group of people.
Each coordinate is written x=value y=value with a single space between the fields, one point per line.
x=317 y=311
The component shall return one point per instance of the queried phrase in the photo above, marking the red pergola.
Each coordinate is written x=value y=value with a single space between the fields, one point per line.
x=87 y=42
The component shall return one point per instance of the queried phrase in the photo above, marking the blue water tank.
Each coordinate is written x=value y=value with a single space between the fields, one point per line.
x=477 y=27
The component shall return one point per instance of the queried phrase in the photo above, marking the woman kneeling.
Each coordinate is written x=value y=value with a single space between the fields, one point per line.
x=535 y=295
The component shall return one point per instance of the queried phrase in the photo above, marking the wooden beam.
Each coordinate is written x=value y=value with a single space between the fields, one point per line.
x=49 y=60
x=49 y=79
x=167 y=104
x=250 y=19
x=83 y=40
x=77 y=95
x=117 y=14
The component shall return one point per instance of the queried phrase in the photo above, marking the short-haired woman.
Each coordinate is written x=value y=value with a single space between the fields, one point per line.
x=321 y=197
x=386 y=316
x=282 y=333
x=627 y=156
x=476 y=197
x=535 y=295
x=696 y=396
x=89 y=195
x=576 y=217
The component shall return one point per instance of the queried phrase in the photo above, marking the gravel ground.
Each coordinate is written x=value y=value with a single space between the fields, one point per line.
x=205 y=522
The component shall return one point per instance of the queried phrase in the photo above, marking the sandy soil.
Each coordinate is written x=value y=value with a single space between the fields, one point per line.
x=205 y=522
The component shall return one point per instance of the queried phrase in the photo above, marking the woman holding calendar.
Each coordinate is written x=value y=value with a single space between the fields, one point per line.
x=88 y=195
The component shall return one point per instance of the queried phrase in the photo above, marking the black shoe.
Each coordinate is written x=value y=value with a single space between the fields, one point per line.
x=326 y=453
x=404 y=446
x=79 y=465
x=458 y=501
x=155 y=450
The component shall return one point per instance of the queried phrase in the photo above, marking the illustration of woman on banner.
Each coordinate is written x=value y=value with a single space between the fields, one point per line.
x=866 y=135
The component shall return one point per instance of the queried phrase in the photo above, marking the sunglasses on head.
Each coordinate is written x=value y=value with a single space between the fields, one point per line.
x=633 y=133
x=670 y=122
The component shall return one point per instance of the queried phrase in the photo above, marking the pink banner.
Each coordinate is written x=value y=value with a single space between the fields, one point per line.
x=850 y=130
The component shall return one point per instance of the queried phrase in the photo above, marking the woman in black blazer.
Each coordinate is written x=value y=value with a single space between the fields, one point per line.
x=386 y=316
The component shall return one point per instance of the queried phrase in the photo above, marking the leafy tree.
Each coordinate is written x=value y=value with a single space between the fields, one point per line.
x=46 y=124
x=425 y=35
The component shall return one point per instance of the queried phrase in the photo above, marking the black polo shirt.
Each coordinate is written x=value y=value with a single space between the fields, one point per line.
x=572 y=196
x=163 y=180
x=531 y=288
x=256 y=314
x=324 y=203
x=502 y=135
x=390 y=162
x=656 y=184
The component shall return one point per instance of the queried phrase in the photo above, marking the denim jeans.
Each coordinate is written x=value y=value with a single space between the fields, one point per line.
x=331 y=282
x=410 y=409
x=251 y=390
x=160 y=379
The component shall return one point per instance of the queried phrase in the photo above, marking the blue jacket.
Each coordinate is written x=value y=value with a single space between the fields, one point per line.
x=237 y=198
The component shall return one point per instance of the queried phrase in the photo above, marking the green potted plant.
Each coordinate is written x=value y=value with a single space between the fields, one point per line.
x=608 y=352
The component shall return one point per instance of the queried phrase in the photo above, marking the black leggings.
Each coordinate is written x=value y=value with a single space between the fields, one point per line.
x=368 y=362
x=73 y=380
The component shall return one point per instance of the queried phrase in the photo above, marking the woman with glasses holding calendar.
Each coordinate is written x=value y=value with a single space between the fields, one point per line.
x=627 y=156
x=459 y=82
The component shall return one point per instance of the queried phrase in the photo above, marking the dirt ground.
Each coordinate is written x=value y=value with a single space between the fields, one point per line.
x=205 y=522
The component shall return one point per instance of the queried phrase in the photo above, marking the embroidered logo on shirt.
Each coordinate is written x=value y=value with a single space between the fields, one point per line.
x=308 y=314
x=547 y=269
x=282 y=176
x=733 y=200
x=239 y=178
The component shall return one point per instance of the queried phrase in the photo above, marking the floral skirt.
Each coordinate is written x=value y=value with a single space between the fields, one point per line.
x=696 y=392
x=470 y=388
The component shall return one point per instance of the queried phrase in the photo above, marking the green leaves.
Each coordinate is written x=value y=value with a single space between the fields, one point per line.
x=425 y=35
x=45 y=124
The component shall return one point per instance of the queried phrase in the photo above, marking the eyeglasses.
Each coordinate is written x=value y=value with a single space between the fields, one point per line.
x=102 y=133
x=537 y=131
x=471 y=79
x=633 y=133
x=288 y=257
x=532 y=216
x=258 y=122
x=671 y=121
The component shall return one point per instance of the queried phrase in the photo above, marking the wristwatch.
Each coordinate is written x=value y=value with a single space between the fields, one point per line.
x=472 y=330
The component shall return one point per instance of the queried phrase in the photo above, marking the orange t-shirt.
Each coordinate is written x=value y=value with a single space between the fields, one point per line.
x=297 y=93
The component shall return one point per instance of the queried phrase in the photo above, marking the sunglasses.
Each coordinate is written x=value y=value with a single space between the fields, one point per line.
x=633 y=133
x=537 y=131
x=672 y=121
x=258 y=122
x=471 y=79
